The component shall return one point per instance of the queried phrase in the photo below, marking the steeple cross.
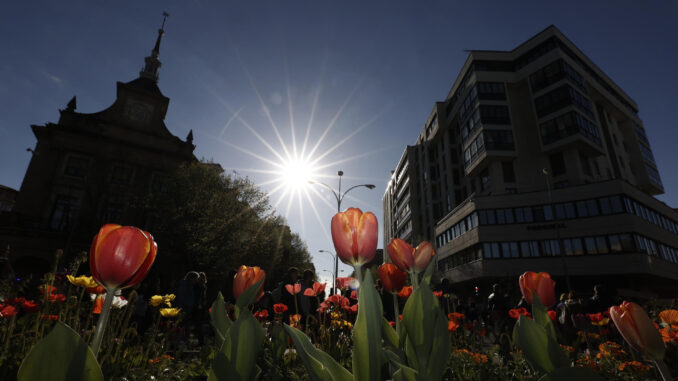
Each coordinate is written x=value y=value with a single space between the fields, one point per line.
x=165 y=15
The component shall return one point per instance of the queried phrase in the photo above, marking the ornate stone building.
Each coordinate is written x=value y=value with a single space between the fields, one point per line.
x=91 y=169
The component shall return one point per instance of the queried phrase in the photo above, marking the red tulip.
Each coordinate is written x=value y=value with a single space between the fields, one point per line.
x=247 y=277
x=279 y=308
x=96 y=290
x=391 y=277
x=7 y=311
x=355 y=236
x=57 y=298
x=637 y=329
x=121 y=256
x=261 y=315
x=293 y=288
x=17 y=301
x=452 y=326
x=406 y=257
x=552 y=314
x=542 y=284
x=30 y=306
x=516 y=312
x=318 y=288
x=405 y=292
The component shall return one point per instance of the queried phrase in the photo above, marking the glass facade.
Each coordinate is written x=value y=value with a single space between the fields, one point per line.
x=571 y=246
x=566 y=125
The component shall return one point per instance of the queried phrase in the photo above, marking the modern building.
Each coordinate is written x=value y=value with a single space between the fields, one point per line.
x=537 y=160
x=91 y=169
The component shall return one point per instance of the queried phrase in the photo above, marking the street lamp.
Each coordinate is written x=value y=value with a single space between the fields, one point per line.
x=334 y=279
x=339 y=197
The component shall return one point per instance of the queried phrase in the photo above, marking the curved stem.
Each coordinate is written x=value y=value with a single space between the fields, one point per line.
x=396 y=310
x=103 y=320
x=664 y=370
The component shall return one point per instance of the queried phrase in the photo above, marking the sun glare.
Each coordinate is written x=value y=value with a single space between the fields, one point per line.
x=297 y=173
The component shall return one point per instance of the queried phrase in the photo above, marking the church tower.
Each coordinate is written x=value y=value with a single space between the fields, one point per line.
x=89 y=169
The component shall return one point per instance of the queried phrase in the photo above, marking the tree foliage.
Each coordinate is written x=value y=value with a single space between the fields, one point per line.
x=205 y=220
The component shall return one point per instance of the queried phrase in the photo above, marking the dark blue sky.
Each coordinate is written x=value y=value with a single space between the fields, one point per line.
x=382 y=63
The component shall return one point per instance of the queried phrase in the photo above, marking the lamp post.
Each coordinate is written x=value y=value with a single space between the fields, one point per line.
x=334 y=276
x=339 y=197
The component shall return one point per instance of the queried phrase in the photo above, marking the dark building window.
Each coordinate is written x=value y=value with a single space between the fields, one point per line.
x=500 y=140
x=653 y=174
x=491 y=90
x=560 y=98
x=553 y=73
x=557 y=164
x=76 y=166
x=484 y=180
x=158 y=183
x=567 y=125
x=113 y=213
x=495 y=115
x=63 y=212
x=509 y=173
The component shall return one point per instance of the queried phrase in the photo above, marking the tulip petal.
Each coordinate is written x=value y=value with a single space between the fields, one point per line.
x=342 y=236
x=401 y=254
x=368 y=235
x=422 y=255
x=119 y=255
x=143 y=270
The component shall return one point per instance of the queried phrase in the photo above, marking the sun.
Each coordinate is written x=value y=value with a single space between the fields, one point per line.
x=296 y=173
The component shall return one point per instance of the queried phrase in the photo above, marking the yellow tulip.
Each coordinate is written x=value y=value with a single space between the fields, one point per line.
x=156 y=300
x=168 y=299
x=82 y=281
x=169 y=312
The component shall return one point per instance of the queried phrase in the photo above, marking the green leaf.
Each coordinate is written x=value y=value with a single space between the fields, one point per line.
x=532 y=339
x=320 y=365
x=236 y=360
x=279 y=341
x=427 y=345
x=248 y=296
x=367 y=333
x=405 y=374
x=61 y=355
x=541 y=316
x=220 y=320
x=389 y=334
x=568 y=373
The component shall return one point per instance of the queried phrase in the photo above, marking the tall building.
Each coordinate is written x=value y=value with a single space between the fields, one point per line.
x=91 y=169
x=536 y=160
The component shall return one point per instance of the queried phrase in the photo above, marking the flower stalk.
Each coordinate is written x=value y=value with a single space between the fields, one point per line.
x=103 y=321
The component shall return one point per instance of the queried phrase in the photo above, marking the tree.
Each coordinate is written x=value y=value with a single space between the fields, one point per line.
x=205 y=220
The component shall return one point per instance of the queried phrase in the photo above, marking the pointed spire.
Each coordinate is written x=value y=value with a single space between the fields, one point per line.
x=72 y=104
x=189 y=137
x=153 y=64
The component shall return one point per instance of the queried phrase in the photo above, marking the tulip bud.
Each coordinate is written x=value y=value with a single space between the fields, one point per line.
x=637 y=329
x=121 y=256
x=355 y=235
x=540 y=283
x=246 y=277
x=422 y=256
x=401 y=254
x=391 y=277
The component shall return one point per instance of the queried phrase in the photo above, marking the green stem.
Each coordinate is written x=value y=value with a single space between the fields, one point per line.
x=396 y=310
x=664 y=370
x=103 y=320
x=358 y=274
x=414 y=277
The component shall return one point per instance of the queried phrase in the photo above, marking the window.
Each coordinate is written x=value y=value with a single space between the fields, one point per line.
x=63 y=211
x=113 y=213
x=653 y=174
x=500 y=140
x=494 y=115
x=548 y=213
x=76 y=166
x=557 y=164
x=509 y=173
x=581 y=209
x=484 y=180
x=568 y=124
x=592 y=207
x=159 y=183
x=573 y=246
x=523 y=215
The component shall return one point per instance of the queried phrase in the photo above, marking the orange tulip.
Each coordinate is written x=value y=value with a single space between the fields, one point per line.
x=405 y=292
x=355 y=235
x=542 y=284
x=637 y=329
x=391 y=277
x=247 y=277
x=121 y=256
x=406 y=257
